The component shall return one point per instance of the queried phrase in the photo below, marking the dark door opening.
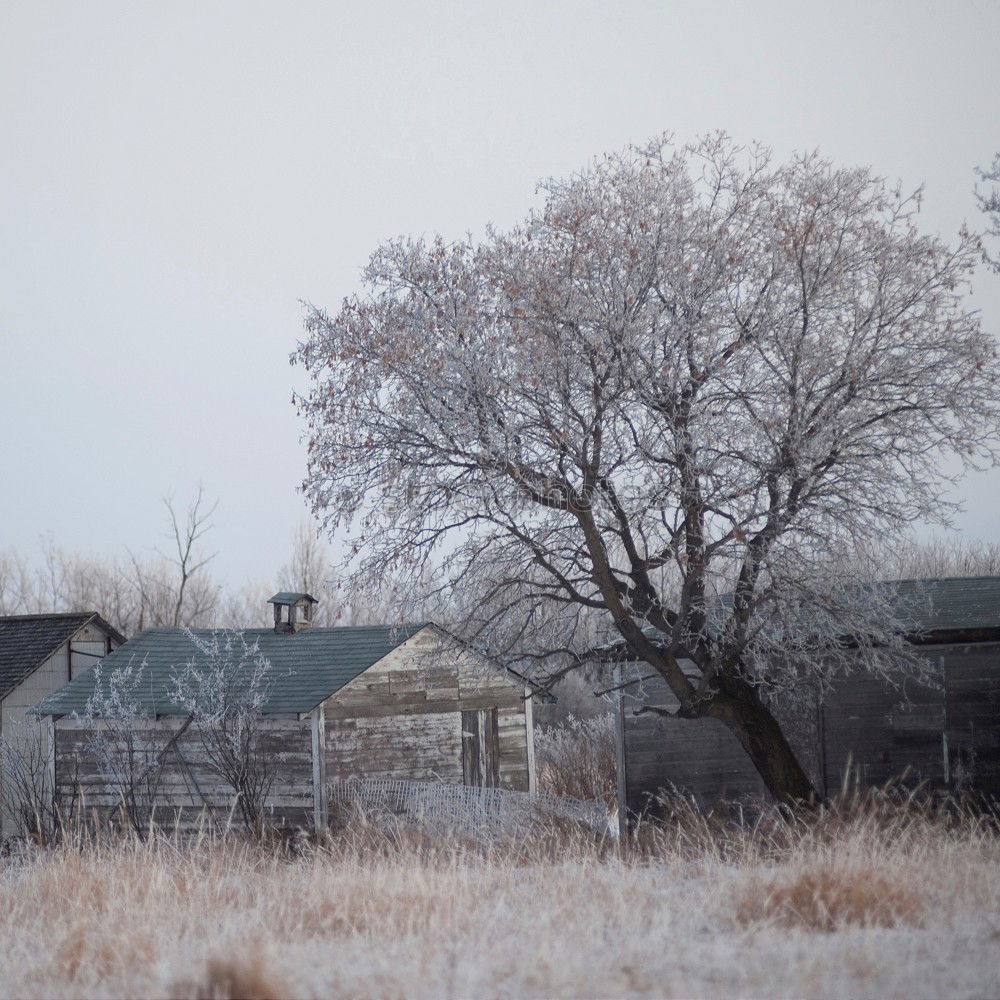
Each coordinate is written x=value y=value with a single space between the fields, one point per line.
x=480 y=748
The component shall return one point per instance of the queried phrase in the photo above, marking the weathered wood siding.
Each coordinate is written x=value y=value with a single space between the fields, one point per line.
x=698 y=757
x=424 y=747
x=402 y=717
x=947 y=735
x=972 y=705
x=873 y=732
x=188 y=787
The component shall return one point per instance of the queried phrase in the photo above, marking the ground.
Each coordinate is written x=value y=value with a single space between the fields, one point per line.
x=861 y=907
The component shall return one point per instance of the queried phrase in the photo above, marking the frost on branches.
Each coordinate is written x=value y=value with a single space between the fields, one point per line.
x=695 y=372
x=988 y=200
x=223 y=689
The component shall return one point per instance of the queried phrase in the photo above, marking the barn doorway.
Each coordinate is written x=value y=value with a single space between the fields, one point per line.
x=480 y=748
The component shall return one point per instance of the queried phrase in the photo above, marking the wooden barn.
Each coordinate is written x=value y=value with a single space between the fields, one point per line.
x=38 y=655
x=401 y=702
x=947 y=735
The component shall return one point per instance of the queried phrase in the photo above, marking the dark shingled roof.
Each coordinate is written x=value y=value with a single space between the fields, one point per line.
x=307 y=666
x=27 y=641
x=937 y=609
x=949 y=604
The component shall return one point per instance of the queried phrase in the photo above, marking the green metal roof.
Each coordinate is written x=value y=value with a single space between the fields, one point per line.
x=306 y=666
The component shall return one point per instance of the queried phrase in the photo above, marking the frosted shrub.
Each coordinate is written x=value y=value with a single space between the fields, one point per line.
x=223 y=689
x=122 y=744
x=577 y=758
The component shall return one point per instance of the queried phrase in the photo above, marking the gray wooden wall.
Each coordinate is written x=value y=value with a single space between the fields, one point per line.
x=402 y=718
x=948 y=736
x=187 y=787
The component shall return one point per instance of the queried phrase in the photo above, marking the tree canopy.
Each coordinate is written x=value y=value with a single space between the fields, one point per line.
x=693 y=372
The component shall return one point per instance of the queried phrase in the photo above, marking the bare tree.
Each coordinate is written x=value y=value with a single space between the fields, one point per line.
x=935 y=558
x=223 y=689
x=16 y=590
x=187 y=532
x=655 y=408
x=345 y=601
x=132 y=593
x=26 y=793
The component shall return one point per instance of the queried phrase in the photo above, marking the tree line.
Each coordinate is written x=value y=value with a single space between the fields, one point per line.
x=176 y=586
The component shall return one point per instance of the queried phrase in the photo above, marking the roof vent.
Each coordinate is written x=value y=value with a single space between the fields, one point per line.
x=299 y=614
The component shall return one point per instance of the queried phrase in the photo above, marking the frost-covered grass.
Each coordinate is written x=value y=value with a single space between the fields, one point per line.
x=869 y=901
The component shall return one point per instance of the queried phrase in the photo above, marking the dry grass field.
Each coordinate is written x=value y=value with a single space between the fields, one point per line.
x=869 y=900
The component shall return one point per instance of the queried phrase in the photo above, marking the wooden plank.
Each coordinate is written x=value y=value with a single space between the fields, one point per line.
x=317 y=747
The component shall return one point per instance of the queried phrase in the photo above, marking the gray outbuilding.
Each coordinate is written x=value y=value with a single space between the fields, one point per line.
x=946 y=735
x=38 y=655
x=367 y=702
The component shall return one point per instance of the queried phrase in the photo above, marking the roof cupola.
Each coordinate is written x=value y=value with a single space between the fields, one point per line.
x=292 y=611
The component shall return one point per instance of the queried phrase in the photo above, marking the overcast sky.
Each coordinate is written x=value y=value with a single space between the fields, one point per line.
x=175 y=177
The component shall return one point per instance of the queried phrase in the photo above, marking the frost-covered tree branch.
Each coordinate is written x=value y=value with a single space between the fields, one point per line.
x=988 y=199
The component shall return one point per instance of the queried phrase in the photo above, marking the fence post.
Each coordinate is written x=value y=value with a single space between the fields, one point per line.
x=317 y=720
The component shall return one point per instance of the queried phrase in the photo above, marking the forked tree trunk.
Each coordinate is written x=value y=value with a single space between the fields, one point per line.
x=754 y=725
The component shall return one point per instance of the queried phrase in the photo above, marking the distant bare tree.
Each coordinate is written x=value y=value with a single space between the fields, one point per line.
x=352 y=601
x=16 y=585
x=308 y=569
x=187 y=531
x=133 y=592
x=245 y=607
x=939 y=557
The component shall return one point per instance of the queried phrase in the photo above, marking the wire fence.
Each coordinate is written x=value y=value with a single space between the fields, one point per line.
x=482 y=813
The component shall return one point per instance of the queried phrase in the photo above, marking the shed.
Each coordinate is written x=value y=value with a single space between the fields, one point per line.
x=947 y=735
x=38 y=655
x=379 y=701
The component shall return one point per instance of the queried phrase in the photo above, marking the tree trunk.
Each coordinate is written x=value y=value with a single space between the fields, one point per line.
x=754 y=725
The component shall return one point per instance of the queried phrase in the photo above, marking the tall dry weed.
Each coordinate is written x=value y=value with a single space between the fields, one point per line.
x=577 y=758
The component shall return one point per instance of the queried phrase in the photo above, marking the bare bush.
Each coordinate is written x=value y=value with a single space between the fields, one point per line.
x=123 y=745
x=223 y=689
x=575 y=695
x=26 y=792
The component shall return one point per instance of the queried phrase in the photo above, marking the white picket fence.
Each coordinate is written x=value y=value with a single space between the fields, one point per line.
x=482 y=813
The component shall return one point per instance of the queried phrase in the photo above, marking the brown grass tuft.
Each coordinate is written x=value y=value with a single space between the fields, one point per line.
x=828 y=899
x=244 y=978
